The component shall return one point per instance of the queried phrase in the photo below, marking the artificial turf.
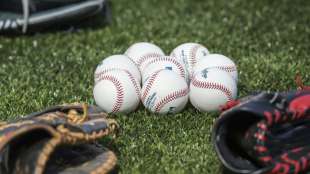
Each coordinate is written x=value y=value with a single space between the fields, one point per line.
x=268 y=40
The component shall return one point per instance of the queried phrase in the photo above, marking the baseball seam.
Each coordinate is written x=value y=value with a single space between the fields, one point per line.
x=212 y=85
x=134 y=82
x=119 y=91
x=170 y=97
x=149 y=85
x=131 y=77
x=172 y=60
x=102 y=72
x=193 y=52
x=146 y=57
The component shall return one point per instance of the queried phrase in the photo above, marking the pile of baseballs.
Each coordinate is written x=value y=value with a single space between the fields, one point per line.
x=164 y=84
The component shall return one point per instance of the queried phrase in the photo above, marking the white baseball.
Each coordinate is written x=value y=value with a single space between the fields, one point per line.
x=142 y=51
x=118 y=62
x=190 y=53
x=165 y=92
x=212 y=88
x=217 y=61
x=117 y=91
x=164 y=62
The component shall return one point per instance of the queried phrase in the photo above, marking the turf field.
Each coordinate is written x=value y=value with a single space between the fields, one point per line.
x=269 y=41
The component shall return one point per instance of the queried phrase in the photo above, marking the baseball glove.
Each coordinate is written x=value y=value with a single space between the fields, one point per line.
x=18 y=16
x=59 y=140
x=266 y=133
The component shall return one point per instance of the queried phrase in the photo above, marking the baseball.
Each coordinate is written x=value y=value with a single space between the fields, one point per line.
x=117 y=91
x=164 y=62
x=217 y=61
x=212 y=88
x=142 y=51
x=117 y=62
x=165 y=92
x=189 y=54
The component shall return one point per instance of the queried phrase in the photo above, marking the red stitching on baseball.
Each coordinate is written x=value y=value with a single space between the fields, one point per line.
x=170 y=97
x=169 y=59
x=212 y=85
x=149 y=85
x=132 y=79
x=98 y=75
x=119 y=91
x=146 y=57
x=134 y=82
x=192 y=57
x=227 y=68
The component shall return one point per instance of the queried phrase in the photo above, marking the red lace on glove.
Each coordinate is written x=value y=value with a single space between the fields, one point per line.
x=229 y=105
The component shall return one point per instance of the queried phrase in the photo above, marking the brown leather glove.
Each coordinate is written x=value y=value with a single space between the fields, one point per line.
x=59 y=140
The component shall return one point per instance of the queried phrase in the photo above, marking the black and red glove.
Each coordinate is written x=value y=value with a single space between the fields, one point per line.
x=266 y=133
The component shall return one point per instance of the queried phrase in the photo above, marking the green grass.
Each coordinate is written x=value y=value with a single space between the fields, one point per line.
x=269 y=41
